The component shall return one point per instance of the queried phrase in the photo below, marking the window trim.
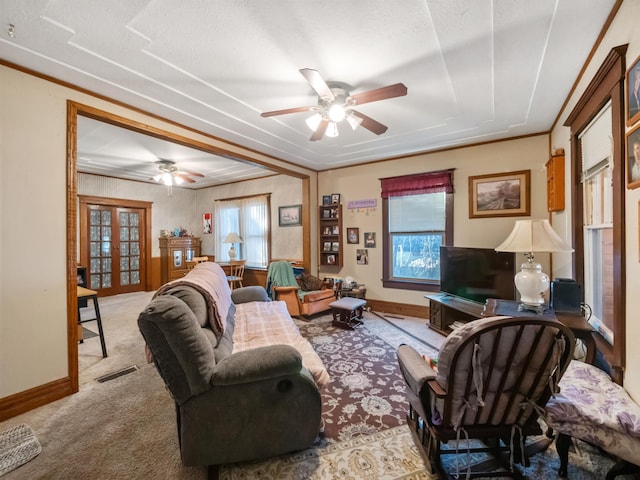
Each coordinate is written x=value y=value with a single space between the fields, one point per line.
x=606 y=85
x=424 y=286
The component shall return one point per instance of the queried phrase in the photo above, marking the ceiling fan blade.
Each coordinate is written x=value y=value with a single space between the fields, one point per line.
x=317 y=83
x=390 y=91
x=185 y=178
x=319 y=133
x=287 y=110
x=190 y=173
x=370 y=124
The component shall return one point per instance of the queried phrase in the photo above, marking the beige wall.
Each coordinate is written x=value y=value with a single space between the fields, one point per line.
x=360 y=183
x=624 y=30
x=33 y=243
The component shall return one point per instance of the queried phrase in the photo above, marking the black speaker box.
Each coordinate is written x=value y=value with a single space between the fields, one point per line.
x=566 y=296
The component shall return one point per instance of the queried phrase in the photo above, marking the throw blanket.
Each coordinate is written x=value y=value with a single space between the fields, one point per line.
x=261 y=324
x=280 y=274
x=209 y=279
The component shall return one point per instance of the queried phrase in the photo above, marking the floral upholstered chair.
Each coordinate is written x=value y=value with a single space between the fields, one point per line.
x=591 y=407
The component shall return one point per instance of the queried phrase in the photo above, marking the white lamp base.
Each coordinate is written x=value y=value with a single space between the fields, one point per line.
x=232 y=253
x=532 y=284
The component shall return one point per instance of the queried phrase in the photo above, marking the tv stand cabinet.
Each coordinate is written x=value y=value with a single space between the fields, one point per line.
x=445 y=309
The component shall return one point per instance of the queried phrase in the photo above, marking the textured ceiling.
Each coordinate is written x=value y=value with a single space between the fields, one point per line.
x=476 y=70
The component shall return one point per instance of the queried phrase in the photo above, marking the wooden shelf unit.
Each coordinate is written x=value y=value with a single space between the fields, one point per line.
x=330 y=245
x=555 y=183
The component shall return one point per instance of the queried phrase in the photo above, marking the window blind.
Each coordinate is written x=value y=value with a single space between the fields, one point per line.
x=595 y=142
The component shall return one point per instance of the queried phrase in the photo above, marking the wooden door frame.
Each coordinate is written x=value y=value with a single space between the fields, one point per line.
x=85 y=200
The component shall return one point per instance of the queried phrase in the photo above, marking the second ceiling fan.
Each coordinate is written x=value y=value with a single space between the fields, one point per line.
x=335 y=104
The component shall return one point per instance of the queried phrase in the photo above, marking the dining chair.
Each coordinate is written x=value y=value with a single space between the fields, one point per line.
x=236 y=272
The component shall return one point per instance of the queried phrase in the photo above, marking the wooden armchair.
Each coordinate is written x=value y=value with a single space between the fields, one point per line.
x=282 y=285
x=494 y=376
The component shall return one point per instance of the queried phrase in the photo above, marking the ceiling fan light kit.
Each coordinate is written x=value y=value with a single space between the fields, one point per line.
x=170 y=175
x=334 y=106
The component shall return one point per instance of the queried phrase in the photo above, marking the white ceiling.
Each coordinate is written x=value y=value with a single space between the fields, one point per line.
x=476 y=70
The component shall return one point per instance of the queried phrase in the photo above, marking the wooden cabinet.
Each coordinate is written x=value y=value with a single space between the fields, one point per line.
x=175 y=252
x=555 y=183
x=445 y=310
x=330 y=235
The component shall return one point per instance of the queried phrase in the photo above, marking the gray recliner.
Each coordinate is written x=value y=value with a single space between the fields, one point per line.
x=230 y=407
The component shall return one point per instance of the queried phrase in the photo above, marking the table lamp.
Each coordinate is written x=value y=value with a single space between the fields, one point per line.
x=232 y=238
x=530 y=236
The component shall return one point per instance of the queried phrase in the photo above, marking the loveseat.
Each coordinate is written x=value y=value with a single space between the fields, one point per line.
x=246 y=384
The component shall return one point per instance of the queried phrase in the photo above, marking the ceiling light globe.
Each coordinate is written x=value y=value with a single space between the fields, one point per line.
x=336 y=113
x=313 y=121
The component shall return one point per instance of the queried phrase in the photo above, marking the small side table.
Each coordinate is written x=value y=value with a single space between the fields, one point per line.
x=84 y=294
x=357 y=292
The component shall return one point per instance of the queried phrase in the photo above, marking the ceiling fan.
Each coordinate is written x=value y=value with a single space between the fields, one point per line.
x=334 y=105
x=171 y=175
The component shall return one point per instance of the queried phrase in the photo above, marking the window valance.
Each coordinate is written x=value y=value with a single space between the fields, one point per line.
x=417 y=184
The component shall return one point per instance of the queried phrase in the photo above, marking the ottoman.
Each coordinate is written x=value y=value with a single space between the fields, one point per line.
x=347 y=311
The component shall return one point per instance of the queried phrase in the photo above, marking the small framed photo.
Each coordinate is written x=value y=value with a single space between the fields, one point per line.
x=500 y=195
x=336 y=230
x=335 y=246
x=335 y=198
x=326 y=230
x=633 y=93
x=633 y=158
x=331 y=259
x=326 y=200
x=207 y=225
x=362 y=256
x=326 y=247
x=353 y=235
x=290 y=216
x=326 y=213
x=370 y=239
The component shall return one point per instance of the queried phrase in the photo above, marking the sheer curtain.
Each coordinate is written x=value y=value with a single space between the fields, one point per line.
x=249 y=217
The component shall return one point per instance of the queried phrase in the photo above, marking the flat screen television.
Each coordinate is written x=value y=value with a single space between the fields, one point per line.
x=477 y=273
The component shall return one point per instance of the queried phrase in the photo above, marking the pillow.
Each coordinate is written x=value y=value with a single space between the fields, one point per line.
x=308 y=282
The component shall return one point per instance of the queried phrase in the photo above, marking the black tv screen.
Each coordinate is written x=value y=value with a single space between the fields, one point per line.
x=477 y=273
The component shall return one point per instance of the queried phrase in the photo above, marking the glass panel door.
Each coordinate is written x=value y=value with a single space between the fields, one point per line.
x=115 y=246
x=100 y=248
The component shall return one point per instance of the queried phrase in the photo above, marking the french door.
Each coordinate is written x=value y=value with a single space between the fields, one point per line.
x=114 y=245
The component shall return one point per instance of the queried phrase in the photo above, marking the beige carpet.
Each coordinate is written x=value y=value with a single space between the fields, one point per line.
x=125 y=428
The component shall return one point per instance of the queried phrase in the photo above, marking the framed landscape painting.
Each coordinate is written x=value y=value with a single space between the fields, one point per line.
x=290 y=216
x=500 y=195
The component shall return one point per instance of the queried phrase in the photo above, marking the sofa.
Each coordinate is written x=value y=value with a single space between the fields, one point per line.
x=246 y=384
x=304 y=295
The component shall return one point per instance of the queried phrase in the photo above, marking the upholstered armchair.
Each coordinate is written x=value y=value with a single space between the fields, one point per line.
x=492 y=379
x=282 y=285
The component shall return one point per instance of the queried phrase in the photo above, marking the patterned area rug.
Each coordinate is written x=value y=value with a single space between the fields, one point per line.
x=366 y=392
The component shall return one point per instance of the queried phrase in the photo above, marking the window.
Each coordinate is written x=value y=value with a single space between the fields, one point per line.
x=607 y=85
x=418 y=220
x=597 y=191
x=249 y=217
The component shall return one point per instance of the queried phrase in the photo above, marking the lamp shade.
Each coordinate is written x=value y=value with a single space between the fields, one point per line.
x=530 y=236
x=232 y=238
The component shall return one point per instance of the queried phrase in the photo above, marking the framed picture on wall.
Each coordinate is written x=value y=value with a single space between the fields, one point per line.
x=290 y=216
x=207 y=225
x=353 y=235
x=633 y=158
x=500 y=195
x=633 y=92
